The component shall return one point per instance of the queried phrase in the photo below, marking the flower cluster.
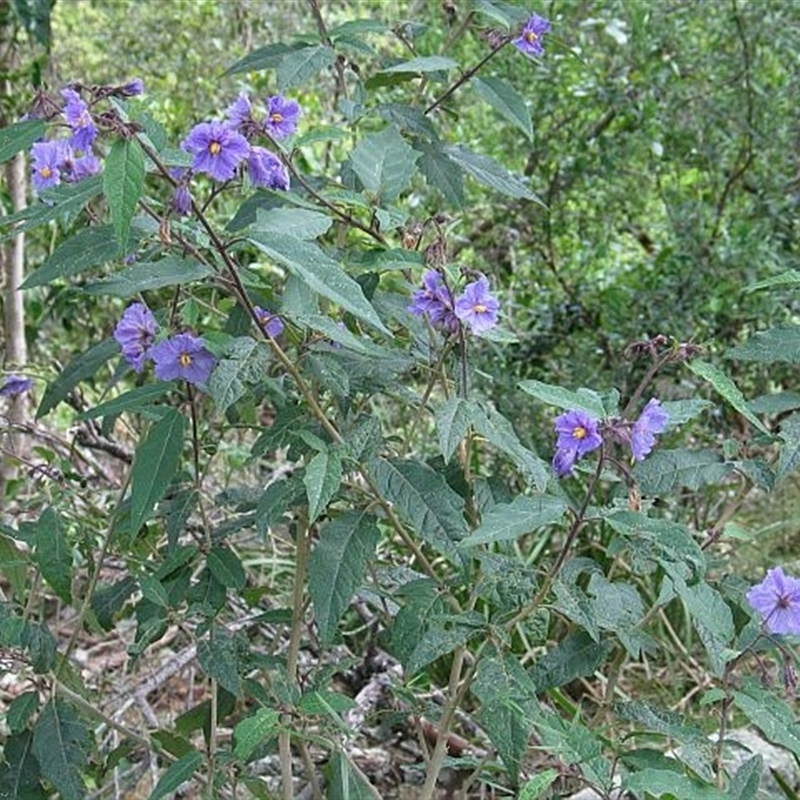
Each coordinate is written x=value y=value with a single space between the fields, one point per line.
x=72 y=158
x=220 y=148
x=531 y=40
x=476 y=307
x=777 y=599
x=15 y=384
x=180 y=357
x=579 y=433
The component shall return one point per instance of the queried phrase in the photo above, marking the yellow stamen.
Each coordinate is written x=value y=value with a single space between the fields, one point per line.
x=531 y=37
x=480 y=308
x=186 y=360
x=215 y=148
x=276 y=116
x=579 y=432
x=46 y=172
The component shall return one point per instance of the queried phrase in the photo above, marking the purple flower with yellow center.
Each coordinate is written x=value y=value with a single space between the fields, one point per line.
x=777 y=599
x=435 y=300
x=271 y=323
x=217 y=148
x=531 y=40
x=79 y=119
x=48 y=160
x=282 y=117
x=135 y=333
x=477 y=306
x=15 y=384
x=578 y=434
x=653 y=420
x=267 y=170
x=183 y=357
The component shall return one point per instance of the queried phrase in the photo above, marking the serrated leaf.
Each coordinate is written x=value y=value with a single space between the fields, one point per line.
x=20 y=773
x=537 y=786
x=297 y=66
x=20 y=136
x=727 y=388
x=584 y=399
x=506 y=100
x=666 y=470
x=512 y=520
x=177 y=774
x=489 y=172
x=425 y=500
x=137 y=398
x=337 y=567
x=453 y=419
x=154 y=591
x=423 y=64
x=322 y=274
x=90 y=247
x=298 y=222
x=123 y=184
x=443 y=636
x=325 y=703
x=218 y=658
x=712 y=619
x=108 y=600
x=20 y=711
x=789 y=458
x=385 y=164
x=226 y=567
x=770 y=714
x=156 y=462
x=53 y=553
x=246 y=361
x=14 y=566
x=252 y=731
x=144 y=277
x=59 y=744
x=442 y=174
x=68 y=198
x=276 y=501
x=322 y=478
x=667 y=783
x=267 y=57
x=80 y=368
x=577 y=655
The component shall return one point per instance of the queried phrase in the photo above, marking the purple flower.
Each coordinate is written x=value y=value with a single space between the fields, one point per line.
x=267 y=170
x=530 y=41
x=78 y=117
x=217 y=149
x=185 y=357
x=133 y=88
x=15 y=384
x=48 y=158
x=85 y=167
x=135 y=333
x=240 y=112
x=435 y=300
x=777 y=599
x=653 y=419
x=182 y=201
x=282 y=117
x=578 y=434
x=477 y=307
x=270 y=322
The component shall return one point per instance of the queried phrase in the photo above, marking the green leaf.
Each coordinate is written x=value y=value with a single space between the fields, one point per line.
x=385 y=164
x=65 y=199
x=789 y=278
x=141 y=397
x=746 y=782
x=727 y=388
x=14 y=565
x=507 y=101
x=253 y=731
x=789 y=458
x=218 y=658
x=452 y=423
x=168 y=271
x=20 y=136
x=322 y=478
x=21 y=710
x=298 y=222
x=177 y=774
x=276 y=500
x=297 y=66
x=583 y=400
x=712 y=618
x=537 y=786
x=666 y=470
x=441 y=173
x=667 y=783
x=577 y=655
x=337 y=567
x=422 y=64
x=320 y=273
x=123 y=184
x=424 y=499
x=489 y=172
x=226 y=567
x=780 y=344
x=53 y=553
x=59 y=744
x=770 y=714
x=512 y=520
x=81 y=367
x=20 y=772
x=154 y=591
x=90 y=247
x=346 y=781
x=246 y=361
x=156 y=462
x=267 y=57
x=443 y=635
x=107 y=601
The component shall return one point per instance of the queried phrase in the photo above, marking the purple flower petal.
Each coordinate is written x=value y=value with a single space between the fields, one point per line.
x=477 y=307
x=15 y=384
x=282 y=117
x=531 y=40
x=183 y=357
x=777 y=599
x=653 y=420
x=217 y=148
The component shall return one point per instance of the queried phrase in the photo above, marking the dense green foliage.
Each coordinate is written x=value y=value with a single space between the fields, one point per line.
x=361 y=488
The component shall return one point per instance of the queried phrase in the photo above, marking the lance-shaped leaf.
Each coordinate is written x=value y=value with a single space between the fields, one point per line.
x=512 y=520
x=20 y=136
x=20 y=773
x=252 y=731
x=297 y=66
x=337 y=567
x=59 y=743
x=178 y=773
x=423 y=64
x=147 y=275
x=489 y=172
x=666 y=470
x=156 y=462
x=789 y=458
x=770 y=347
x=53 y=554
x=123 y=183
x=385 y=164
x=322 y=478
x=506 y=100
x=583 y=400
x=452 y=423
x=246 y=361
